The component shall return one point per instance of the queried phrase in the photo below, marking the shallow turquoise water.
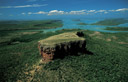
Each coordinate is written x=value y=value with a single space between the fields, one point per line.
x=70 y=24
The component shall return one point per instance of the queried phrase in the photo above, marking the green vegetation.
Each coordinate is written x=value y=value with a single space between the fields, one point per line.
x=29 y=25
x=117 y=28
x=61 y=38
x=18 y=60
x=111 y=22
x=108 y=62
x=21 y=62
x=82 y=23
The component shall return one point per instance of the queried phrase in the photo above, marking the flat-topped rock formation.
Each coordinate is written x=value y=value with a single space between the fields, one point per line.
x=59 y=46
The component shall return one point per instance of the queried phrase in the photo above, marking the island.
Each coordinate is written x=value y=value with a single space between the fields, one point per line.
x=58 y=46
x=111 y=22
x=30 y=25
x=117 y=28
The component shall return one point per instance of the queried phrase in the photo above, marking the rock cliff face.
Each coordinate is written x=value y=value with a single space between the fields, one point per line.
x=61 y=50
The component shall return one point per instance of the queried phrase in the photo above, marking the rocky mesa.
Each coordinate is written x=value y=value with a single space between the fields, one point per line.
x=59 y=46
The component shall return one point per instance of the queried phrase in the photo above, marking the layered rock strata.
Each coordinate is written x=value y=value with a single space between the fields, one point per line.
x=59 y=46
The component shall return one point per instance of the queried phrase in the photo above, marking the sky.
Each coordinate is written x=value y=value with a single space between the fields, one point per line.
x=57 y=9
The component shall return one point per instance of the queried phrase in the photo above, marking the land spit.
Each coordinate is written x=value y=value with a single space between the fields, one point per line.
x=61 y=45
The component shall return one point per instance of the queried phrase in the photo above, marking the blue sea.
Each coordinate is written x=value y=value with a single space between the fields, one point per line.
x=71 y=24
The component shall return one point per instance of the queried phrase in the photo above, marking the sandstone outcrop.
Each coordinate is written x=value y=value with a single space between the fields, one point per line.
x=59 y=46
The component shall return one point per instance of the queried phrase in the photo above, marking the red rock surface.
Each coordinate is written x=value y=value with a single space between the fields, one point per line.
x=48 y=54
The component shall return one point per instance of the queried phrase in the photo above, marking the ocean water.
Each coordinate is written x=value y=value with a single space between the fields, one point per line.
x=71 y=24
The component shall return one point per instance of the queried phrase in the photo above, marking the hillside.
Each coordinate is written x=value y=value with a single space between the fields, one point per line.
x=21 y=62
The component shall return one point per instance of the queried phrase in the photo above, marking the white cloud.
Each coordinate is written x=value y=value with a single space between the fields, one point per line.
x=24 y=6
x=59 y=12
x=23 y=13
x=91 y=11
x=123 y=9
x=56 y=12
x=119 y=10
x=105 y=12
x=101 y=11
x=79 y=12
x=40 y=12
x=97 y=11
x=30 y=13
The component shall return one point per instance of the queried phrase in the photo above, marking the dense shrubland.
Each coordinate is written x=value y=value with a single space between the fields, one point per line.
x=21 y=61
